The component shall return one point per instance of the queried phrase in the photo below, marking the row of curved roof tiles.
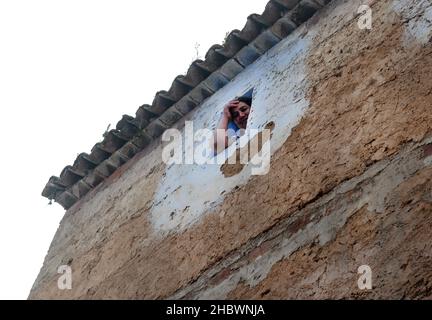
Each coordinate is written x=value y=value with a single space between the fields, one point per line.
x=222 y=63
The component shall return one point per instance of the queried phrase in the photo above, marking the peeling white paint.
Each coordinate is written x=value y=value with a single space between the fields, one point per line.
x=279 y=81
x=419 y=17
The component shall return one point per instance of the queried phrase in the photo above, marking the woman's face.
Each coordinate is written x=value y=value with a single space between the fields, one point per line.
x=240 y=114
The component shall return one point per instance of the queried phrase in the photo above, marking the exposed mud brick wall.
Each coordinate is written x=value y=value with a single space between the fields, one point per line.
x=349 y=181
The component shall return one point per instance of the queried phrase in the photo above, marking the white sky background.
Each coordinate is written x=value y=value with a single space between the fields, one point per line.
x=67 y=70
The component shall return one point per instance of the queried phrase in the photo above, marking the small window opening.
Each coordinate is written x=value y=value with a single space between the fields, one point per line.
x=233 y=121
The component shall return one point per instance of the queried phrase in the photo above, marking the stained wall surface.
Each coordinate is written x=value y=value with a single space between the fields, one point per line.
x=349 y=181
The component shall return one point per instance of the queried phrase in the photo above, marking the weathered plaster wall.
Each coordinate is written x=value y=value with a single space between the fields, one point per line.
x=349 y=181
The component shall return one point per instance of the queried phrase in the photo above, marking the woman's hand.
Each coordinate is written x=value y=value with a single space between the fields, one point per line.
x=220 y=141
x=228 y=107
